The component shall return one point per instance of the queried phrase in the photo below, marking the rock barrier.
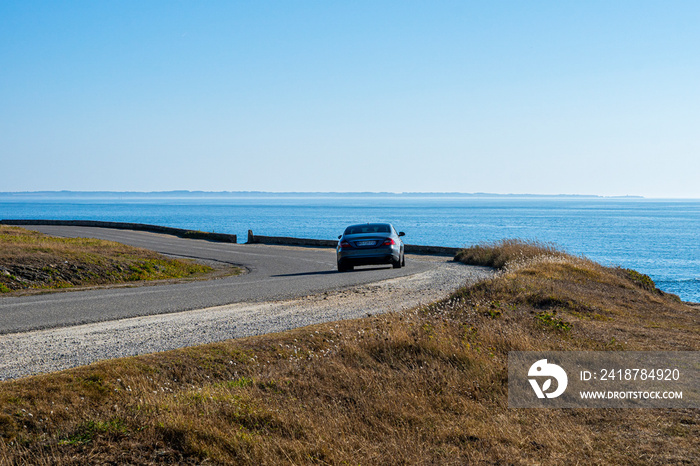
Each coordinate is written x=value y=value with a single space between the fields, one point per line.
x=191 y=234
x=288 y=241
x=324 y=243
x=223 y=237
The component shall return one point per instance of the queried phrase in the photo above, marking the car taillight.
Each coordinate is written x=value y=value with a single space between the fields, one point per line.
x=388 y=242
x=345 y=245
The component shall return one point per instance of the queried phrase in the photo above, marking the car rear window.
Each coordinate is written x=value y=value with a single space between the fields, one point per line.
x=369 y=228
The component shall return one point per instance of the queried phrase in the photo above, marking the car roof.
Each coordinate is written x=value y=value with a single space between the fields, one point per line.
x=370 y=224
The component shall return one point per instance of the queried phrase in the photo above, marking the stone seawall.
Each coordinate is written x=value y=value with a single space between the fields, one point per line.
x=324 y=243
x=192 y=234
x=223 y=237
x=288 y=241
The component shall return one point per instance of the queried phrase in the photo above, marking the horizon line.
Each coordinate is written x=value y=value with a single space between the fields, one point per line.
x=341 y=193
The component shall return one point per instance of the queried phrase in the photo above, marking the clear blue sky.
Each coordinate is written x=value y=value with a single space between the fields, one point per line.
x=580 y=97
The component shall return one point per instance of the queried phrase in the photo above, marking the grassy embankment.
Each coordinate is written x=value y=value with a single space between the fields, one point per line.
x=31 y=261
x=424 y=386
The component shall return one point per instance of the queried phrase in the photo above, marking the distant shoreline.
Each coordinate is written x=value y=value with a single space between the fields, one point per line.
x=236 y=194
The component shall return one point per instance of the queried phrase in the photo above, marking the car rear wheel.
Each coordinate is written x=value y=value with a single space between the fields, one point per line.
x=342 y=267
x=396 y=264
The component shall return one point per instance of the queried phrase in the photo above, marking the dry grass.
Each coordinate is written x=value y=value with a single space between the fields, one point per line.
x=425 y=386
x=506 y=251
x=30 y=260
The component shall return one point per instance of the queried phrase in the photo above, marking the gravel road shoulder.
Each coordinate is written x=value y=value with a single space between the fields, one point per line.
x=24 y=354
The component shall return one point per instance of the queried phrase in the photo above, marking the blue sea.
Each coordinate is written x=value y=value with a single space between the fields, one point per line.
x=658 y=237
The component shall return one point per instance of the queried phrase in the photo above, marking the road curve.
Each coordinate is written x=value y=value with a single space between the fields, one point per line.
x=275 y=273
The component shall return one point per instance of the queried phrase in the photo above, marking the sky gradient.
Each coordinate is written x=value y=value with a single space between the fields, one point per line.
x=550 y=97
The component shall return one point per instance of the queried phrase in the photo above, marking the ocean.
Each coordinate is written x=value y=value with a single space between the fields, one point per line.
x=658 y=237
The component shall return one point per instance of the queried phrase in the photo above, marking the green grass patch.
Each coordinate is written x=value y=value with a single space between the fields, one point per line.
x=641 y=280
x=86 y=432
x=550 y=320
x=32 y=260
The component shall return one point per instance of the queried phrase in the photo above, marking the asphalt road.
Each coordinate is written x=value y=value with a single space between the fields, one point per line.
x=275 y=273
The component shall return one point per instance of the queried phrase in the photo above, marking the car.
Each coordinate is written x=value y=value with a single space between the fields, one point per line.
x=370 y=243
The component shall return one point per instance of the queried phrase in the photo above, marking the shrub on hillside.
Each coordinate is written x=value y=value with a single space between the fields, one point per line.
x=506 y=251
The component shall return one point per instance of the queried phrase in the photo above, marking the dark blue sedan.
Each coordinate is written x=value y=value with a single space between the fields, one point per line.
x=370 y=243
